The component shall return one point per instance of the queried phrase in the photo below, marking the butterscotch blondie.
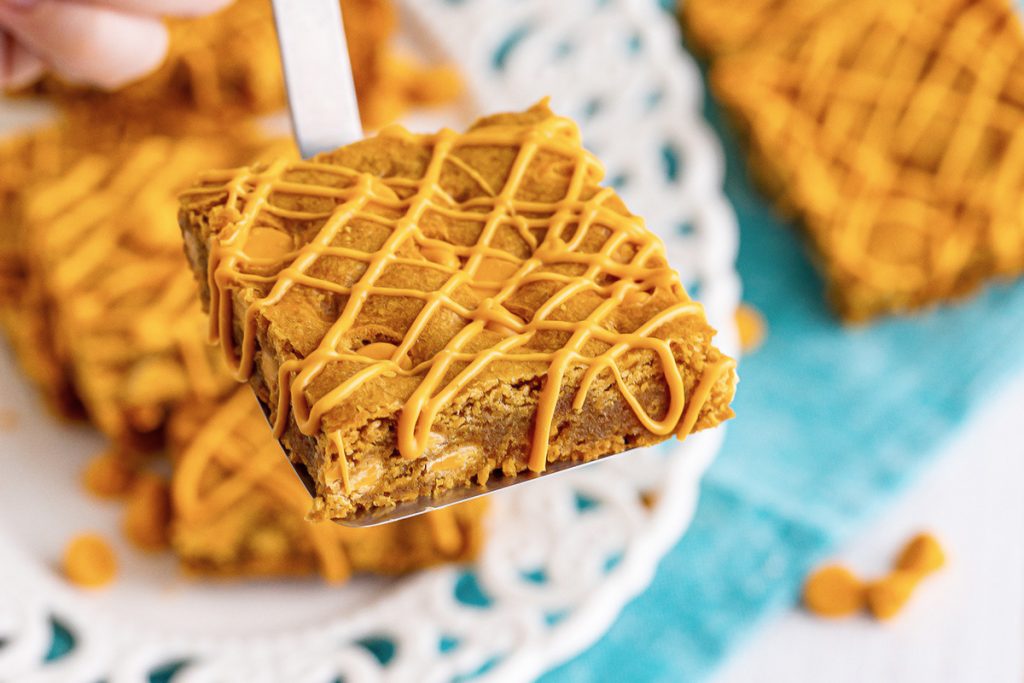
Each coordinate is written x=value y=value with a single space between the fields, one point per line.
x=238 y=509
x=719 y=27
x=887 y=132
x=26 y=161
x=417 y=312
x=44 y=172
x=108 y=299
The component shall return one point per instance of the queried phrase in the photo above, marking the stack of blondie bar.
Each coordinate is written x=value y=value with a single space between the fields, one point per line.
x=101 y=310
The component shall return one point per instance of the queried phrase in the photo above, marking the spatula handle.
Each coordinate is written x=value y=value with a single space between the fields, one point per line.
x=318 y=74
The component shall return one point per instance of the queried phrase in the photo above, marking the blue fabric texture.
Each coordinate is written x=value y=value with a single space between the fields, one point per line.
x=833 y=422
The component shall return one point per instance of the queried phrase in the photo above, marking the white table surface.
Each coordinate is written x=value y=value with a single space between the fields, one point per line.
x=965 y=624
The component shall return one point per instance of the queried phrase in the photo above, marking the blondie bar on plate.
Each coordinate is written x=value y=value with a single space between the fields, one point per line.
x=63 y=188
x=238 y=509
x=418 y=312
x=107 y=298
x=888 y=132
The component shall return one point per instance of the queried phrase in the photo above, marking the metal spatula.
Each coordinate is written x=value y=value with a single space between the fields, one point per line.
x=317 y=72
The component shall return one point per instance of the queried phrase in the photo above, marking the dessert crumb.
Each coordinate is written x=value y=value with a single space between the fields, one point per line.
x=751 y=326
x=89 y=561
x=107 y=475
x=887 y=596
x=833 y=591
x=922 y=554
x=649 y=498
x=147 y=513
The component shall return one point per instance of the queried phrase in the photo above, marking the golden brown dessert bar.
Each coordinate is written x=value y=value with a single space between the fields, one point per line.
x=56 y=158
x=29 y=330
x=238 y=509
x=16 y=163
x=420 y=311
x=45 y=153
x=104 y=266
x=719 y=27
x=896 y=141
x=26 y=160
x=228 y=62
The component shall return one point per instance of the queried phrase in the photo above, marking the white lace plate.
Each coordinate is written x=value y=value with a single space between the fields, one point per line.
x=565 y=554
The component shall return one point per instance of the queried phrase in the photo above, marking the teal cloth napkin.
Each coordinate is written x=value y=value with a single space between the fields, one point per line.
x=833 y=423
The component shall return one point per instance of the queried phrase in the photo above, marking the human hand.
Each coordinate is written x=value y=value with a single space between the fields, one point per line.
x=106 y=43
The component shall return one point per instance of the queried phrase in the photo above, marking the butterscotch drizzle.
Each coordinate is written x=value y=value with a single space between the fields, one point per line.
x=400 y=204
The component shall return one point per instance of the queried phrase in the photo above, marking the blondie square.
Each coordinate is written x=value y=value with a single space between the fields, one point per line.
x=238 y=509
x=27 y=161
x=107 y=301
x=715 y=28
x=896 y=140
x=418 y=312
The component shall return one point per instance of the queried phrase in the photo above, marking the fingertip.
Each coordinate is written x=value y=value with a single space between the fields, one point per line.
x=89 y=43
x=132 y=50
x=198 y=8
x=174 y=8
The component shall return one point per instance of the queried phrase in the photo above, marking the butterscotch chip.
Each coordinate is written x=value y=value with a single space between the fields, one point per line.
x=887 y=596
x=751 y=326
x=108 y=475
x=147 y=513
x=922 y=554
x=833 y=591
x=526 y=354
x=89 y=561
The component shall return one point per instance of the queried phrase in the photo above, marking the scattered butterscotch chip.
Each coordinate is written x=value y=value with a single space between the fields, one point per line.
x=887 y=596
x=833 y=591
x=108 y=475
x=147 y=514
x=89 y=561
x=751 y=326
x=922 y=554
